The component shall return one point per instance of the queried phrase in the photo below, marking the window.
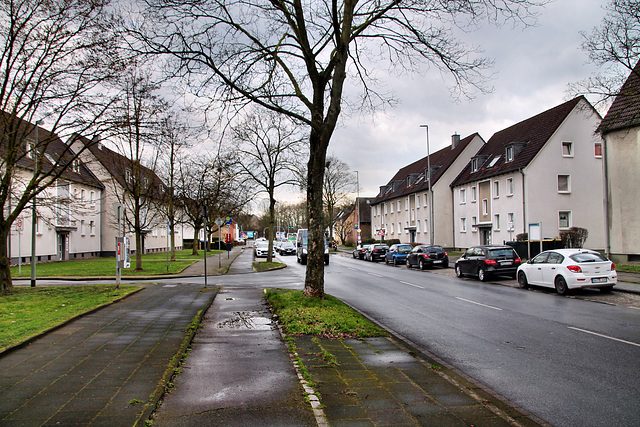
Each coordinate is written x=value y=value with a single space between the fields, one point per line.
x=474 y=223
x=385 y=208
x=494 y=161
x=564 y=219
x=128 y=176
x=399 y=205
x=510 y=154
x=418 y=226
x=475 y=165
x=564 y=184
x=426 y=199
x=406 y=229
x=509 y=186
x=92 y=228
x=426 y=226
x=496 y=189
x=496 y=221
x=510 y=221
x=463 y=225
x=378 y=210
x=485 y=207
x=76 y=166
x=399 y=227
x=391 y=228
x=82 y=195
x=417 y=201
x=406 y=204
x=567 y=149
x=82 y=231
x=463 y=196
x=474 y=194
x=598 y=150
x=31 y=150
x=38 y=231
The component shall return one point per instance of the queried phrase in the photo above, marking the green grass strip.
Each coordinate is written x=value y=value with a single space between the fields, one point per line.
x=28 y=312
x=328 y=317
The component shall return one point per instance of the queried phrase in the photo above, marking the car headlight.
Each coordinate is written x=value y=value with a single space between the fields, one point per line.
x=326 y=250
x=304 y=251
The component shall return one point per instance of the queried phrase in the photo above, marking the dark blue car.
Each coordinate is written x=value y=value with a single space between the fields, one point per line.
x=397 y=254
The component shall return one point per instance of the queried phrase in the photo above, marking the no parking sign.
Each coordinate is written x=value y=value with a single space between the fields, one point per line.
x=19 y=225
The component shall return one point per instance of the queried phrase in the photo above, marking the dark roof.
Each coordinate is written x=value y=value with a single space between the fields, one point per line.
x=57 y=154
x=625 y=110
x=117 y=165
x=365 y=210
x=529 y=136
x=440 y=161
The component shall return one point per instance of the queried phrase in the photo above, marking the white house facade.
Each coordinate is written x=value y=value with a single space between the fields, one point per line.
x=405 y=206
x=545 y=170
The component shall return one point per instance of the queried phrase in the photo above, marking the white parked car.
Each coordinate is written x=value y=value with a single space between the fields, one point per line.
x=566 y=269
x=262 y=249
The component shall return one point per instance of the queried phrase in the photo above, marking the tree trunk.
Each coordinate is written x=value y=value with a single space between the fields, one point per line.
x=6 y=284
x=196 y=241
x=272 y=222
x=314 y=279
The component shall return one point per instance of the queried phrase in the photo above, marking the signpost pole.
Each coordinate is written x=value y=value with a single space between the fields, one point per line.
x=204 y=226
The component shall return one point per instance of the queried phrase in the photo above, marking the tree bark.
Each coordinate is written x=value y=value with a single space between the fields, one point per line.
x=6 y=284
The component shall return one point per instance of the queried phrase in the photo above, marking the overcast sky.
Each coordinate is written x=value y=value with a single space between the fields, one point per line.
x=533 y=67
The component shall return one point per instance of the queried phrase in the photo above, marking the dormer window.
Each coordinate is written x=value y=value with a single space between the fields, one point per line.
x=76 y=166
x=31 y=150
x=477 y=162
x=511 y=153
x=512 y=150
x=128 y=176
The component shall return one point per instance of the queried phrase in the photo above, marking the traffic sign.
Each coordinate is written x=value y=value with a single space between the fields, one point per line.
x=19 y=224
x=219 y=221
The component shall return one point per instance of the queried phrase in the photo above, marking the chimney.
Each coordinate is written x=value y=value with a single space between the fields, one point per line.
x=455 y=139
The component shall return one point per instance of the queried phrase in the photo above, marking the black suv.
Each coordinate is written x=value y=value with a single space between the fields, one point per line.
x=486 y=261
x=424 y=256
x=376 y=252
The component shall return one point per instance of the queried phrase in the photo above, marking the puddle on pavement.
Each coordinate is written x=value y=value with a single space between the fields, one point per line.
x=253 y=320
x=386 y=358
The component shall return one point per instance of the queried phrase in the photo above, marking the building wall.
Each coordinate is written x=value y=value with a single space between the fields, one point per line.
x=623 y=157
x=584 y=200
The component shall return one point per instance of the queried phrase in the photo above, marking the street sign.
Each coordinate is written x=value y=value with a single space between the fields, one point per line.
x=227 y=220
x=19 y=224
x=219 y=221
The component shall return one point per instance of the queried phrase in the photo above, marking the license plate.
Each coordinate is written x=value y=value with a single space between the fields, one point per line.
x=506 y=262
x=599 y=280
x=438 y=261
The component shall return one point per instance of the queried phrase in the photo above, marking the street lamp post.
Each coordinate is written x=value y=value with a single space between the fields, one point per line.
x=431 y=228
x=358 y=231
x=34 y=215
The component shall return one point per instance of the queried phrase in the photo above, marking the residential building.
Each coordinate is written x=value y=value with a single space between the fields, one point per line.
x=118 y=175
x=545 y=170
x=402 y=208
x=620 y=130
x=351 y=217
x=68 y=220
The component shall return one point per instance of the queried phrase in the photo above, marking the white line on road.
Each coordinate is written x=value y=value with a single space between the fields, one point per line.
x=604 y=336
x=352 y=269
x=411 y=284
x=374 y=274
x=477 y=303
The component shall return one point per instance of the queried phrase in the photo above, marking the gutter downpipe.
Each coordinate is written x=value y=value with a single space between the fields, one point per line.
x=607 y=219
x=453 y=219
x=524 y=207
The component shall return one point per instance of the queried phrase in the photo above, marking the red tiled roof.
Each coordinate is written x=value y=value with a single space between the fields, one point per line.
x=625 y=110
x=533 y=133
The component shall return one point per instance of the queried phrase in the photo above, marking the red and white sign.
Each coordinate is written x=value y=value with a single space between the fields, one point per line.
x=19 y=224
x=381 y=232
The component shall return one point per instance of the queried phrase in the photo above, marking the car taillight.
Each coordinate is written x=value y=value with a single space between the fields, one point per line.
x=445 y=254
x=574 y=268
x=490 y=262
x=425 y=255
x=517 y=261
x=613 y=267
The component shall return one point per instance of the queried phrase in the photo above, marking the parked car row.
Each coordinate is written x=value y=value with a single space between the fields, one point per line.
x=285 y=248
x=561 y=269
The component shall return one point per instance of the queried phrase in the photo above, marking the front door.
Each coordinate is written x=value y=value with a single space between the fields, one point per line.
x=62 y=246
x=485 y=236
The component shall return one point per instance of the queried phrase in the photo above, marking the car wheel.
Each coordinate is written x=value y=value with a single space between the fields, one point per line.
x=408 y=264
x=395 y=261
x=606 y=289
x=458 y=271
x=561 y=285
x=445 y=265
x=522 y=280
x=421 y=265
x=482 y=275
x=326 y=262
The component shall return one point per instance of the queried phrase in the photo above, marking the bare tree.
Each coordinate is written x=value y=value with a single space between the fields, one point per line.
x=56 y=59
x=614 y=47
x=268 y=148
x=139 y=118
x=294 y=57
x=338 y=184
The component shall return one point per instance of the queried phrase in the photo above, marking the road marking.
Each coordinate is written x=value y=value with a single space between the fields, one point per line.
x=604 y=336
x=352 y=269
x=374 y=274
x=169 y=286
x=411 y=284
x=477 y=303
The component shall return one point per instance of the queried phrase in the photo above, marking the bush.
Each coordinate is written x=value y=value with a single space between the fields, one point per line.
x=392 y=242
x=574 y=237
x=522 y=237
x=368 y=241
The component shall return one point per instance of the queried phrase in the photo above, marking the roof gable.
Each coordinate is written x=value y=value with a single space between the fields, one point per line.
x=625 y=109
x=526 y=139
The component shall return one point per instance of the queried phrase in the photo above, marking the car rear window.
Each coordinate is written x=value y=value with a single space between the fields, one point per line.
x=588 y=257
x=501 y=253
x=404 y=249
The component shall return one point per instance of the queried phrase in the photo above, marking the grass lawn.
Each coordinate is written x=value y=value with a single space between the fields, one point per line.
x=27 y=312
x=260 y=266
x=152 y=264
x=329 y=317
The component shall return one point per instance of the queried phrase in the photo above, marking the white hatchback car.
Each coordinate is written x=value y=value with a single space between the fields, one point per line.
x=262 y=249
x=566 y=269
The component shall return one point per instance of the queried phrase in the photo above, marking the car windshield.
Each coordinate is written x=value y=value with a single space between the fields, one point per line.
x=502 y=253
x=405 y=249
x=287 y=245
x=588 y=257
x=264 y=244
